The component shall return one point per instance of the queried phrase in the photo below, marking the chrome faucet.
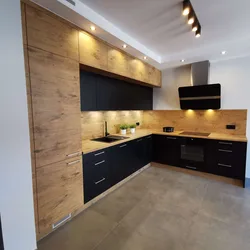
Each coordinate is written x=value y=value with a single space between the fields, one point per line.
x=106 y=128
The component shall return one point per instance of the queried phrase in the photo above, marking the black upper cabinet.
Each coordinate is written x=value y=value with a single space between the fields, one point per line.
x=104 y=93
x=88 y=83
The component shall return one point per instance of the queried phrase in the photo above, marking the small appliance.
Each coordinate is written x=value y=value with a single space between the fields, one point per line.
x=168 y=129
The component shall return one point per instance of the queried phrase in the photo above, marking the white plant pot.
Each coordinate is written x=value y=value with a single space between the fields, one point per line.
x=132 y=130
x=123 y=131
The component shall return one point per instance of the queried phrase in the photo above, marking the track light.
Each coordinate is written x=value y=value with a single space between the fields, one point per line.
x=198 y=32
x=186 y=7
x=191 y=18
x=195 y=26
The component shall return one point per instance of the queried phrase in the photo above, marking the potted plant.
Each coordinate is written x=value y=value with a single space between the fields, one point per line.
x=123 y=128
x=132 y=128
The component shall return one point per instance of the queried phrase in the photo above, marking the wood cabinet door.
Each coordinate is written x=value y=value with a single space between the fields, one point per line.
x=50 y=34
x=138 y=70
x=154 y=76
x=55 y=94
x=93 y=52
x=118 y=62
x=59 y=191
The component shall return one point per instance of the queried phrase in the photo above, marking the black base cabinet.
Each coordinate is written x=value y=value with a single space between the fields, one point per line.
x=105 y=168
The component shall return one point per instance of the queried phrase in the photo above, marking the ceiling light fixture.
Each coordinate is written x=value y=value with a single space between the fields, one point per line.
x=186 y=8
x=145 y=58
x=124 y=46
x=223 y=52
x=92 y=27
x=182 y=60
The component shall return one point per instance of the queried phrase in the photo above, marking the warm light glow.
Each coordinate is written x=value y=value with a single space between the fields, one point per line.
x=195 y=28
x=197 y=35
x=191 y=20
x=145 y=58
x=186 y=11
x=92 y=27
x=124 y=46
x=223 y=52
x=183 y=60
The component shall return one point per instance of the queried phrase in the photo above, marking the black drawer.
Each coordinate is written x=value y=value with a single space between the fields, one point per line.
x=96 y=156
x=93 y=188
x=95 y=170
x=225 y=156
x=226 y=145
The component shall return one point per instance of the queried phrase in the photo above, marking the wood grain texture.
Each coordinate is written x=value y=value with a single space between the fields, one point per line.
x=139 y=70
x=154 y=76
x=59 y=190
x=93 y=52
x=118 y=62
x=56 y=106
x=197 y=121
x=92 y=123
x=24 y=30
x=50 y=34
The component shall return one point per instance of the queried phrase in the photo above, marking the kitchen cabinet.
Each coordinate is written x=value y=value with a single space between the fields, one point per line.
x=93 y=52
x=166 y=149
x=105 y=93
x=56 y=106
x=226 y=158
x=51 y=34
x=59 y=190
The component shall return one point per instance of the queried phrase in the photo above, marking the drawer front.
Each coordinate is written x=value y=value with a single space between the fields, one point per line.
x=225 y=157
x=95 y=187
x=226 y=145
x=96 y=156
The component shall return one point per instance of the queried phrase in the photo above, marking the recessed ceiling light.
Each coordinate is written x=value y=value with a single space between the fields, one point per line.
x=145 y=58
x=124 y=46
x=92 y=27
x=182 y=60
x=223 y=52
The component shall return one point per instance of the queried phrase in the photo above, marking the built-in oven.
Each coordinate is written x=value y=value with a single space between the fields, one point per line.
x=192 y=153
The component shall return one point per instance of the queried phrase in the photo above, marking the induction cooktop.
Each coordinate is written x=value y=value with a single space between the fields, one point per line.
x=195 y=133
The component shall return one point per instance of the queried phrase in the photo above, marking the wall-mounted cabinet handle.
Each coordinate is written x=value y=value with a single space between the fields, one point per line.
x=124 y=145
x=97 y=182
x=224 y=165
x=100 y=153
x=223 y=150
x=74 y=154
x=139 y=140
x=191 y=167
x=225 y=143
x=73 y=162
x=171 y=138
x=101 y=162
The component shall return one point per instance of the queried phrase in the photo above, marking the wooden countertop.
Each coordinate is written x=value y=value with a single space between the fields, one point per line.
x=89 y=146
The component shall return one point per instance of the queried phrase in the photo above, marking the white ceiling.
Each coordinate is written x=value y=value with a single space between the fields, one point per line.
x=157 y=29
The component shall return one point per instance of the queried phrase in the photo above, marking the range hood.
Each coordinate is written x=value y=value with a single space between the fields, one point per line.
x=200 y=95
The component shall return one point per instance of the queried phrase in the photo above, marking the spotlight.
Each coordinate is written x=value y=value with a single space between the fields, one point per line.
x=195 y=27
x=124 y=46
x=92 y=27
x=198 y=32
x=191 y=18
x=186 y=8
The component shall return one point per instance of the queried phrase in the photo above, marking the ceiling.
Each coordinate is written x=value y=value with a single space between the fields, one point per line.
x=157 y=29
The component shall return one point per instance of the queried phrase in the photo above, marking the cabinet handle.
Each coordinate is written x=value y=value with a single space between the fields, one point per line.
x=97 y=182
x=139 y=140
x=224 y=165
x=74 y=154
x=223 y=150
x=73 y=162
x=191 y=167
x=149 y=137
x=100 y=153
x=124 y=145
x=171 y=138
x=225 y=143
x=101 y=162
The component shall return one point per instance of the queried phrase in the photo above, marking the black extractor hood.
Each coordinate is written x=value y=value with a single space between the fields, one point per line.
x=200 y=95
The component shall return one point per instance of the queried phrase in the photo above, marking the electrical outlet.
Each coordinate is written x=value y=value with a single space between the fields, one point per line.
x=137 y=124
x=228 y=126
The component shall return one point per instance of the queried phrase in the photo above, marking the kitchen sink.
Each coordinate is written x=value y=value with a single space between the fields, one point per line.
x=110 y=138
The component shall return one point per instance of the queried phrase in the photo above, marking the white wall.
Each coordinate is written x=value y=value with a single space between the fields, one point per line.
x=233 y=75
x=16 y=199
x=167 y=96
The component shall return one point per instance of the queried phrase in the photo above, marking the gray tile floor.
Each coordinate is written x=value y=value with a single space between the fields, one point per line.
x=161 y=209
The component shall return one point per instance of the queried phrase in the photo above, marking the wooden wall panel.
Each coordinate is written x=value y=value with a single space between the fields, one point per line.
x=118 y=62
x=49 y=34
x=197 y=121
x=93 y=122
x=56 y=106
x=59 y=190
x=93 y=52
